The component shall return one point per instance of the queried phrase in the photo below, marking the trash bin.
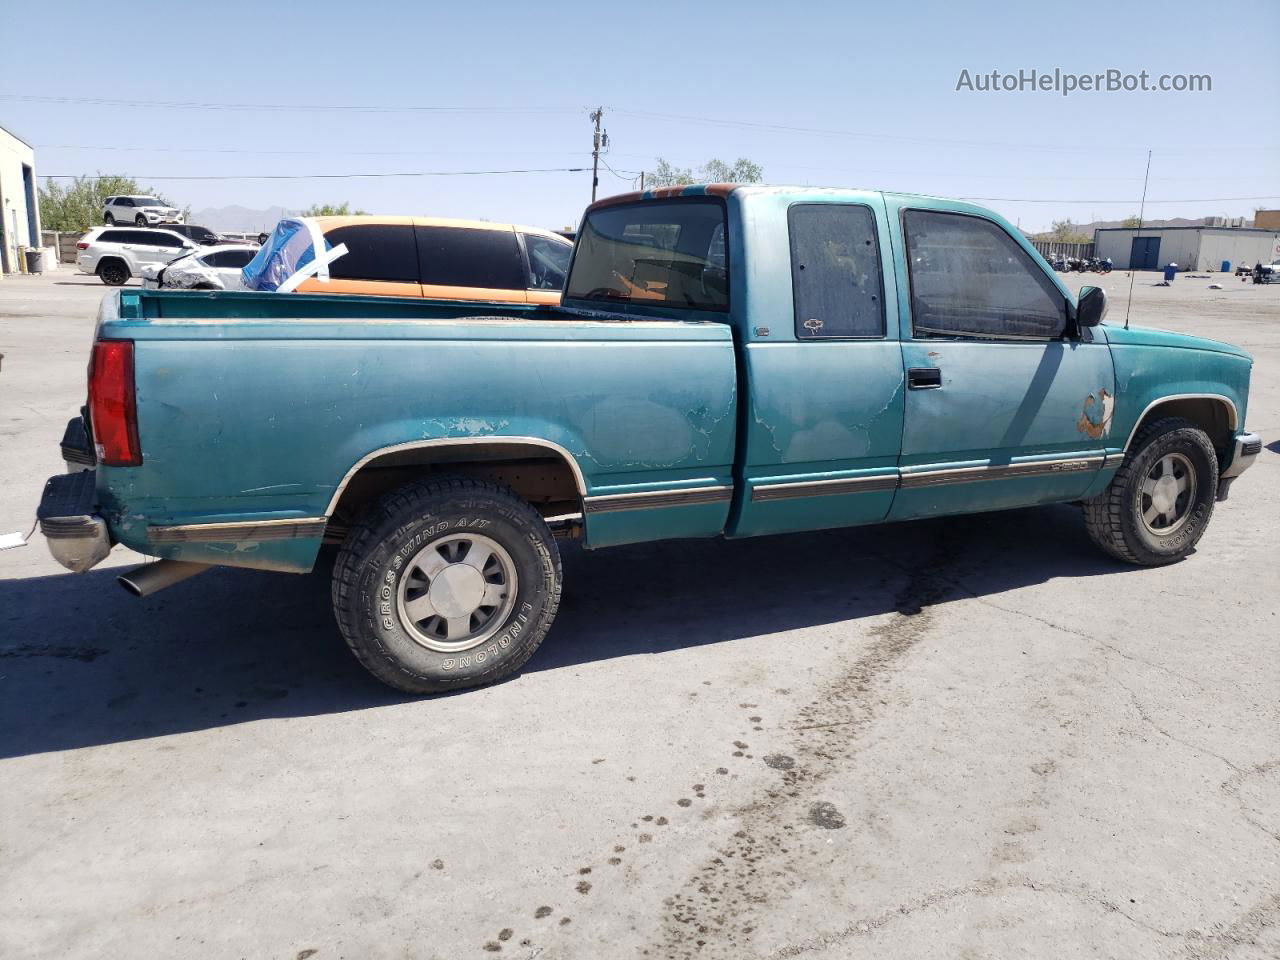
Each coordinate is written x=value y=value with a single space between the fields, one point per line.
x=1226 y=266
x=35 y=261
x=1170 y=271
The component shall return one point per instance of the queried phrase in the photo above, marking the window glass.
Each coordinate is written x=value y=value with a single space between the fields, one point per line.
x=664 y=253
x=114 y=236
x=165 y=239
x=124 y=202
x=145 y=202
x=228 y=258
x=835 y=271
x=463 y=257
x=375 y=251
x=548 y=262
x=971 y=279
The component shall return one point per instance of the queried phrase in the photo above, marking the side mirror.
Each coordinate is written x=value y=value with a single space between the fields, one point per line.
x=1091 y=307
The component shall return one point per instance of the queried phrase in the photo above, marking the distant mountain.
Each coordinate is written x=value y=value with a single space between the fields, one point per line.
x=239 y=219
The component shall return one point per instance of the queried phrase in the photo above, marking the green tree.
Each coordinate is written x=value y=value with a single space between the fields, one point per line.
x=332 y=210
x=78 y=206
x=1131 y=222
x=713 y=171
x=1064 y=231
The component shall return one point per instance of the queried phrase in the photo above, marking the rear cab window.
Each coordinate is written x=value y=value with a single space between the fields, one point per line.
x=836 y=273
x=660 y=253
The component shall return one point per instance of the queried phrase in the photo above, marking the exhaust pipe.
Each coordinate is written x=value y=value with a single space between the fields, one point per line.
x=153 y=577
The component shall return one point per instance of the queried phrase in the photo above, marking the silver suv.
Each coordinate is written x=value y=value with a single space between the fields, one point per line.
x=140 y=211
x=114 y=254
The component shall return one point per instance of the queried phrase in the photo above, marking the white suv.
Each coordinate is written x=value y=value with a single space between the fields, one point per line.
x=140 y=211
x=115 y=254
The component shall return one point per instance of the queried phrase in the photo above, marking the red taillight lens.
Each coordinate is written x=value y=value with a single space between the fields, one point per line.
x=113 y=410
x=82 y=245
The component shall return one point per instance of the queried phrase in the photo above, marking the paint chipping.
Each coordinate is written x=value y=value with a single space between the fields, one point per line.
x=1095 y=420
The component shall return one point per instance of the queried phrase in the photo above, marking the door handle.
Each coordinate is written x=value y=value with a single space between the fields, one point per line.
x=924 y=378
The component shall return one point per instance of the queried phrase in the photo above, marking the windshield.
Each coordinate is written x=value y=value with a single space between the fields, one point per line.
x=147 y=202
x=670 y=253
x=287 y=249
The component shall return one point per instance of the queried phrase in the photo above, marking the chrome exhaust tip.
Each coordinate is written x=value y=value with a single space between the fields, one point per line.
x=153 y=577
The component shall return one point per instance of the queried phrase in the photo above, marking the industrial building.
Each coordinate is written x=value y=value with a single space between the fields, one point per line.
x=19 y=201
x=1205 y=247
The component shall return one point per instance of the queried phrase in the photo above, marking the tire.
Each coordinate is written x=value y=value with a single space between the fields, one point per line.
x=406 y=556
x=139 y=221
x=113 y=272
x=109 y=220
x=1124 y=519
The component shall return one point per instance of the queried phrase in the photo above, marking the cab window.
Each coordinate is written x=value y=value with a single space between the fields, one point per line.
x=835 y=271
x=970 y=279
x=548 y=262
x=657 y=253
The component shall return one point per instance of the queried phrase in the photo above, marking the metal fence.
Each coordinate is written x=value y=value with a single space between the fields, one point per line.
x=1058 y=248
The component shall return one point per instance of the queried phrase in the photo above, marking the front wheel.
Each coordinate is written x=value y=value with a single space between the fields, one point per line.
x=446 y=584
x=140 y=220
x=1158 y=505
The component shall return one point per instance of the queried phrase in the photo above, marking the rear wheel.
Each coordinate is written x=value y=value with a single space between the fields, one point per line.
x=113 y=272
x=1159 y=503
x=446 y=584
x=109 y=220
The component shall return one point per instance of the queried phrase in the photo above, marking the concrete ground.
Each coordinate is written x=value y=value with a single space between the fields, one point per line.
x=969 y=738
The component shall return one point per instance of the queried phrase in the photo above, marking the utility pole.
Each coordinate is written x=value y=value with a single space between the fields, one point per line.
x=598 y=141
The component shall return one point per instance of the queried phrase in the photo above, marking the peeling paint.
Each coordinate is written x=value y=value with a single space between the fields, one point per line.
x=1095 y=420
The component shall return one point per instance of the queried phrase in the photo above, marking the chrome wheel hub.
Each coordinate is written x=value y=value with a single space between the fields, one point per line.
x=456 y=592
x=1168 y=492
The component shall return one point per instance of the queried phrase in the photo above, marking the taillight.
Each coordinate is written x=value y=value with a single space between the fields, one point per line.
x=82 y=245
x=113 y=409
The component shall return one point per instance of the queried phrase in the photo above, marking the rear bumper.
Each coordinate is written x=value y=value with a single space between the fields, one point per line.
x=77 y=537
x=1247 y=448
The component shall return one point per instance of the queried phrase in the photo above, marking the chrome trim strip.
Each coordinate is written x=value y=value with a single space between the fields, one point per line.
x=1112 y=460
x=457 y=442
x=238 y=531
x=1235 y=414
x=822 y=488
x=653 y=499
x=932 y=478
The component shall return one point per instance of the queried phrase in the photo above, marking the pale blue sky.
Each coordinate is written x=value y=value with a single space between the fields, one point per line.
x=881 y=80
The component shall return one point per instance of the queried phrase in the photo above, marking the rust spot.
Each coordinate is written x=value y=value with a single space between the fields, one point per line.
x=1095 y=420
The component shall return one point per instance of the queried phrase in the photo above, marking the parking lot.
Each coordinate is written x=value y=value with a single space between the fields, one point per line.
x=964 y=738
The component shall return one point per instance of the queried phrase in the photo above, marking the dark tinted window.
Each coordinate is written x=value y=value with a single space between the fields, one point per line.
x=161 y=239
x=668 y=253
x=229 y=258
x=461 y=257
x=548 y=262
x=835 y=271
x=116 y=236
x=124 y=202
x=971 y=279
x=377 y=251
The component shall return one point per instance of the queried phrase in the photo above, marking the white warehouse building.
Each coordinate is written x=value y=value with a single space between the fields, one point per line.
x=1191 y=248
x=19 y=201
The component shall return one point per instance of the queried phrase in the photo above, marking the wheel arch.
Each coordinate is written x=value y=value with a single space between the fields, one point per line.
x=1214 y=413
x=541 y=471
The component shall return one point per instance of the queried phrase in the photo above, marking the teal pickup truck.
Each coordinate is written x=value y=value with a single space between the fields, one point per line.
x=726 y=361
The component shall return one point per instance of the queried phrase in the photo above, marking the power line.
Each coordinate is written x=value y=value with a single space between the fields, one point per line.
x=206 y=105
x=1193 y=200
x=864 y=135
x=335 y=176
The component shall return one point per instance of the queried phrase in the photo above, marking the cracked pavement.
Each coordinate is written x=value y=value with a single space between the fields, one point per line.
x=966 y=738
